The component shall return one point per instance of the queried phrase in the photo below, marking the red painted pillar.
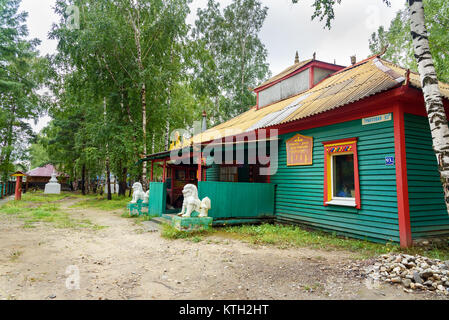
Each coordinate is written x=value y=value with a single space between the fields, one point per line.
x=18 y=194
x=405 y=232
x=200 y=167
x=311 y=77
x=164 y=179
x=152 y=170
x=172 y=190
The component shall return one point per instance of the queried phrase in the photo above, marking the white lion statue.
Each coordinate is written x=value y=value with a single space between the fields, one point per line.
x=192 y=203
x=138 y=193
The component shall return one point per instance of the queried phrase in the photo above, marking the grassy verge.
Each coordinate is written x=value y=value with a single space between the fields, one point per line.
x=138 y=219
x=168 y=232
x=102 y=203
x=294 y=236
x=39 y=208
x=39 y=196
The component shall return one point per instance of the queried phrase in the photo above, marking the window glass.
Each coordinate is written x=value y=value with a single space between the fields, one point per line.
x=180 y=175
x=228 y=174
x=343 y=176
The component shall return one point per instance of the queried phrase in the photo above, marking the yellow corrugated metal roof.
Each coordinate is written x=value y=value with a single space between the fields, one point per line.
x=344 y=87
x=415 y=79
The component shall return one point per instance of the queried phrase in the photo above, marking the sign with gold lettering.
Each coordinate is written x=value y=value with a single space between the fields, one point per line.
x=300 y=151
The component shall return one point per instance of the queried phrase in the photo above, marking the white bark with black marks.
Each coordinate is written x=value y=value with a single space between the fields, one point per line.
x=432 y=96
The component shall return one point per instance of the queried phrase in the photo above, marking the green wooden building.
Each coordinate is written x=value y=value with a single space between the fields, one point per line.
x=340 y=149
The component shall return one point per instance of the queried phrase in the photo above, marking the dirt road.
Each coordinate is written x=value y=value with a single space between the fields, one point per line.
x=123 y=261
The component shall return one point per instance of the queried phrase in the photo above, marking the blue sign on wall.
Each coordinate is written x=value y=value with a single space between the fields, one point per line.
x=389 y=161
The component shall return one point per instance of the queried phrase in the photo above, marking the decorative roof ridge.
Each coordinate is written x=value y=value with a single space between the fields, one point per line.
x=393 y=74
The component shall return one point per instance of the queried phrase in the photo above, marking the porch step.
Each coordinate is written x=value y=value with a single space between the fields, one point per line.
x=161 y=220
x=151 y=226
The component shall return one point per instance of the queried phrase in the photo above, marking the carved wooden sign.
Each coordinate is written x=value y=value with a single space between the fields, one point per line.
x=300 y=151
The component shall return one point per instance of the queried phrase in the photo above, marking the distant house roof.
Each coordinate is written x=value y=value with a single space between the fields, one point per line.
x=44 y=171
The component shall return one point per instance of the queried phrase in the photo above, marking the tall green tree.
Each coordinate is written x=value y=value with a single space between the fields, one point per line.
x=399 y=42
x=121 y=70
x=22 y=74
x=234 y=58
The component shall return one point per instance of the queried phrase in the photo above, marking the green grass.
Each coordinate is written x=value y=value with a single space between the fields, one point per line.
x=169 y=232
x=102 y=203
x=39 y=196
x=283 y=237
x=138 y=219
x=39 y=208
x=294 y=236
x=14 y=255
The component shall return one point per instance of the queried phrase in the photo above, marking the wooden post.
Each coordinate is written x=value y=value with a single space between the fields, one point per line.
x=164 y=178
x=18 y=194
x=405 y=233
x=152 y=171
x=172 y=191
x=200 y=167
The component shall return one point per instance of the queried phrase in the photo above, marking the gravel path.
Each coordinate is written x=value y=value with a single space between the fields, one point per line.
x=125 y=261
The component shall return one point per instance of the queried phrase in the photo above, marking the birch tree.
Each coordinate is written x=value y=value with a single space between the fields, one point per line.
x=432 y=96
x=22 y=73
x=237 y=60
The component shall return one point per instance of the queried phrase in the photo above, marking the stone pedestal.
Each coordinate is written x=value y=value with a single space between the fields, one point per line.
x=53 y=187
x=192 y=224
x=139 y=208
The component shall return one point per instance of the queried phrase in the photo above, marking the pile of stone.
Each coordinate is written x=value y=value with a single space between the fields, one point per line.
x=412 y=272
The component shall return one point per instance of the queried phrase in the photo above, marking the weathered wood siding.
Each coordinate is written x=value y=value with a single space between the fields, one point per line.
x=284 y=89
x=299 y=196
x=428 y=213
x=320 y=74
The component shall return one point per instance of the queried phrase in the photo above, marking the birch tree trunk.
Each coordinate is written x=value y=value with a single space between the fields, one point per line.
x=83 y=180
x=108 y=171
x=432 y=96
x=167 y=123
x=136 y=25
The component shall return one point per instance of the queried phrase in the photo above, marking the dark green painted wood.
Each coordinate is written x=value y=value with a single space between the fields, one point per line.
x=238 y=200
x=299 y=194
x=157 y=198
x=428 y=213
x=213 y=173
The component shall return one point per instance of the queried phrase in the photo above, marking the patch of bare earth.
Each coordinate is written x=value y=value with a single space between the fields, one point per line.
x=124 y=262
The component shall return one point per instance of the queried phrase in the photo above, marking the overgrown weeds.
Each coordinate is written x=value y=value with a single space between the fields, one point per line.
x=169 y=232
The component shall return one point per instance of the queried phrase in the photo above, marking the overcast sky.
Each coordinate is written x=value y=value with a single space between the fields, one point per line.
x=288 y=28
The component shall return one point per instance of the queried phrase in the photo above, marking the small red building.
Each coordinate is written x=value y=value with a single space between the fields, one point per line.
x=39 y=177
